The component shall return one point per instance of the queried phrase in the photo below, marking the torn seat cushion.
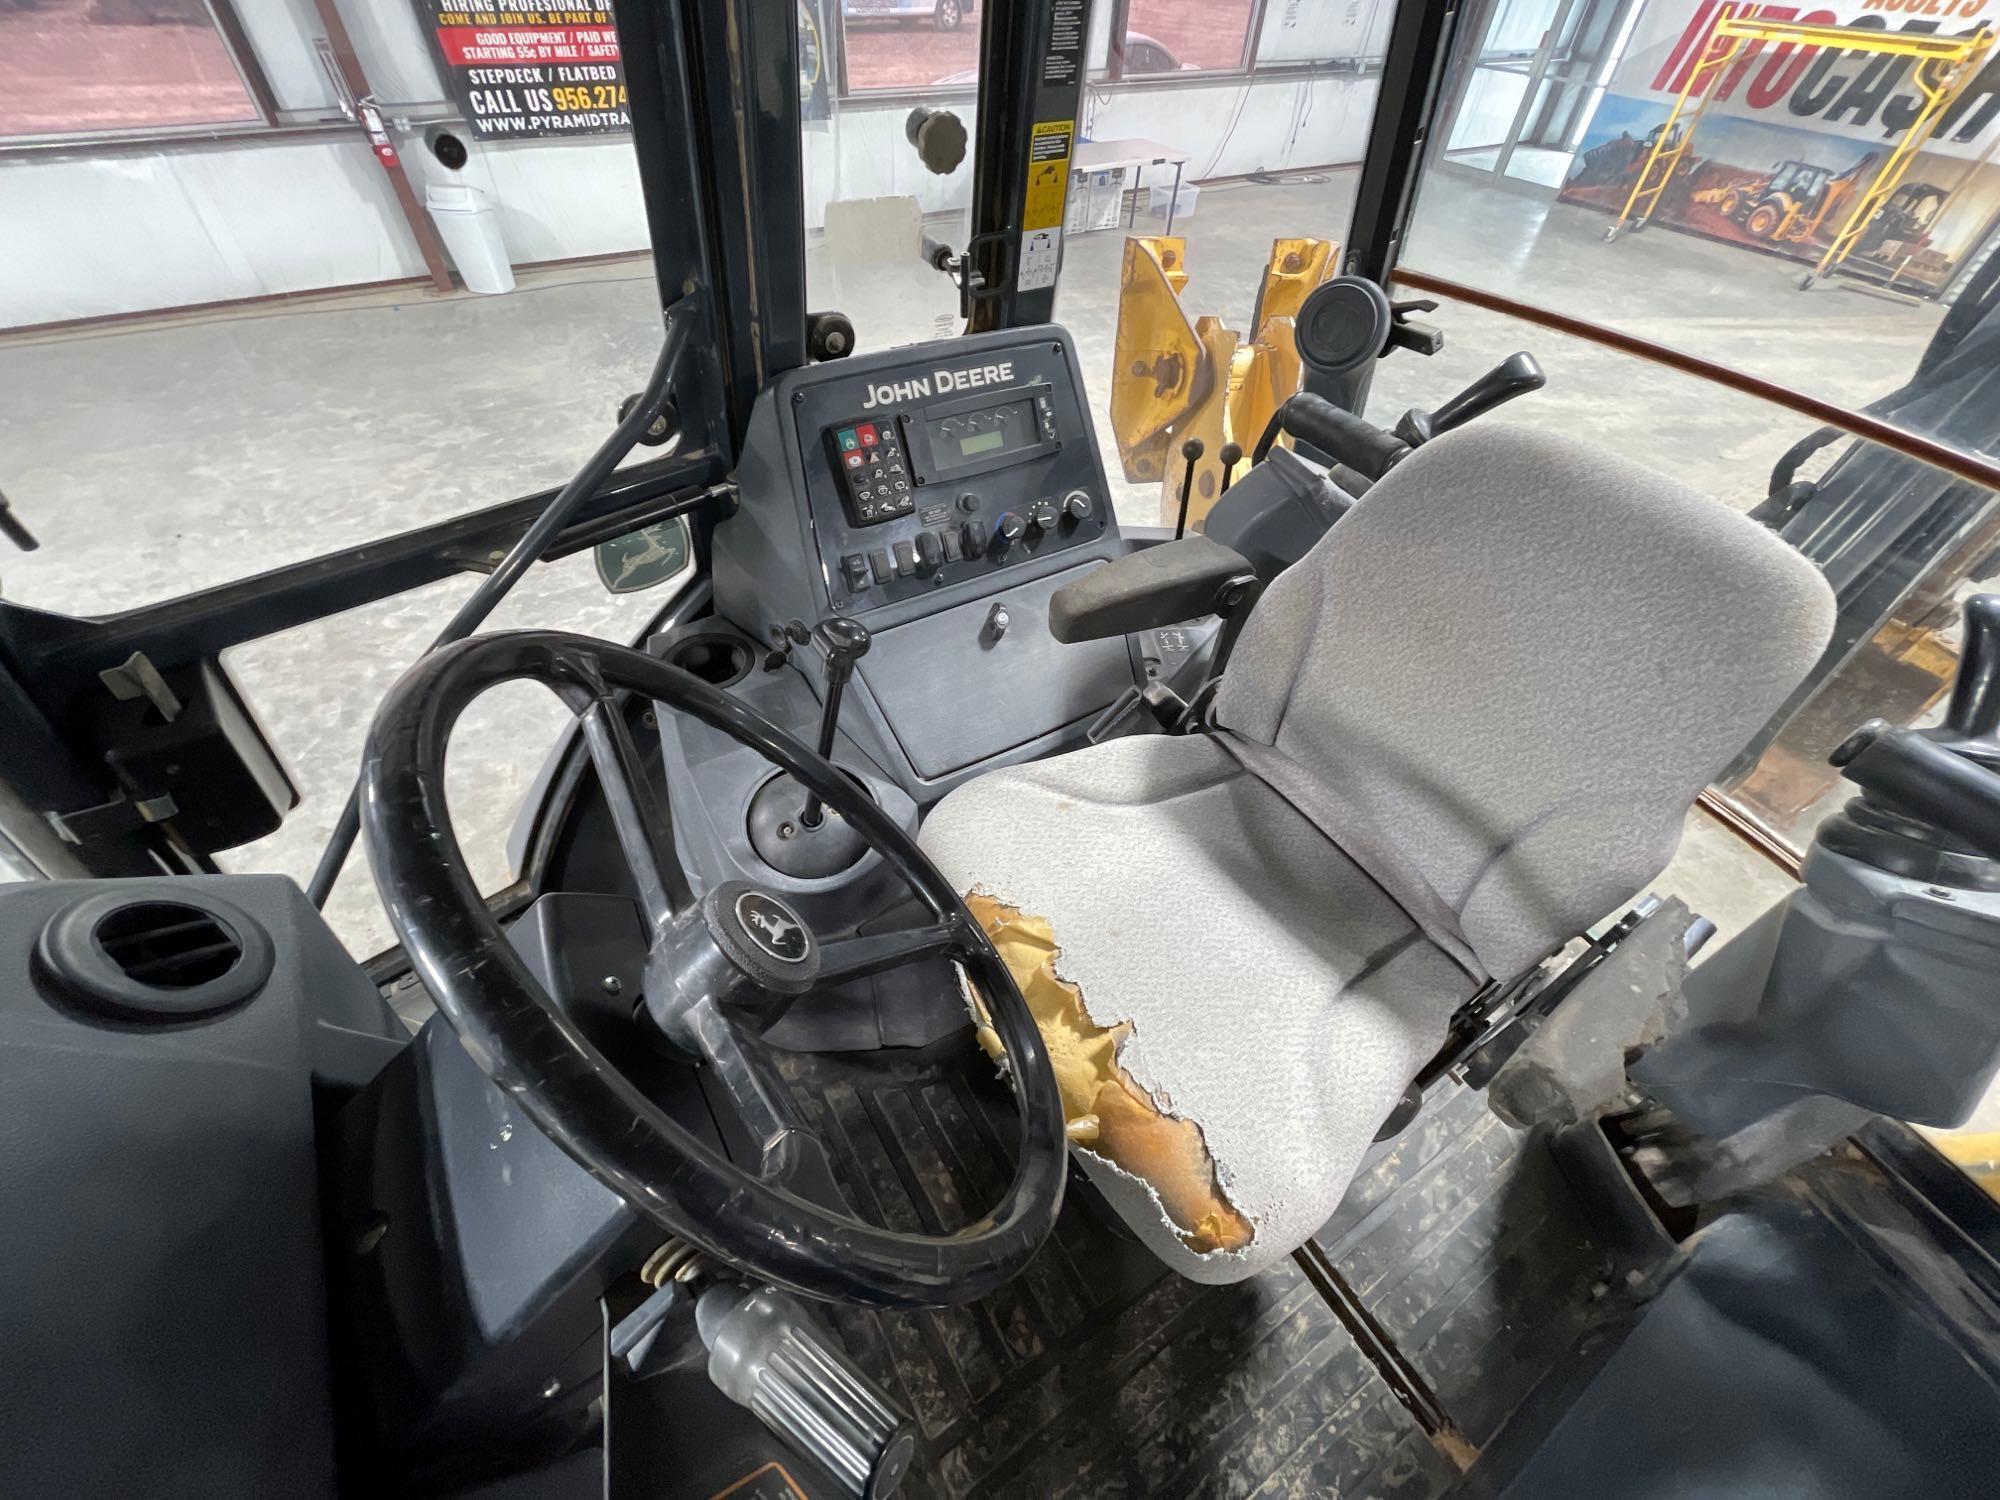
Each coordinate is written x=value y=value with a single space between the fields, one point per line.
x=1264 y=987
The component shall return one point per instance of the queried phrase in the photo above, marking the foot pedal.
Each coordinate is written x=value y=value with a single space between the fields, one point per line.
x=766 y=1353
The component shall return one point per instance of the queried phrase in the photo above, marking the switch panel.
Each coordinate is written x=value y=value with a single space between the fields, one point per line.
x=943 y=469
x=874 y=473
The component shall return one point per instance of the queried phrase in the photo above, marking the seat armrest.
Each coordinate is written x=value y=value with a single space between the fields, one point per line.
x=1154 y=586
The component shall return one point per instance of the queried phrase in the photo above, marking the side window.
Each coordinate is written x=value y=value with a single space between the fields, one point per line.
x=1790 y=216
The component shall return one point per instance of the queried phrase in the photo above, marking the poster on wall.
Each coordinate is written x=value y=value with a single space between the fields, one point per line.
x=526 y=74
x=522 y=74
x=816 y=66
x=1794 y=135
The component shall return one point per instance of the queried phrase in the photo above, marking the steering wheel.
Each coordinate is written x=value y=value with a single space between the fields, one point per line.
x=719 y=968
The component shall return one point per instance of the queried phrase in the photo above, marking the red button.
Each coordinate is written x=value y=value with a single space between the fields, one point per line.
x=867 y=433
x=855 y=460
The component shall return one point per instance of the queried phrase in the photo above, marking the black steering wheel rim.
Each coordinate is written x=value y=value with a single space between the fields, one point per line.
x=544 y=1062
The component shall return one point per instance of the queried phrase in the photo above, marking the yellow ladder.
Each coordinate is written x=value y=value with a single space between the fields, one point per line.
x=1670 y=148
x=1942 y=72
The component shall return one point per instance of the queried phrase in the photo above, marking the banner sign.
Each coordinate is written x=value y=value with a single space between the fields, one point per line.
x=521 y=74
x=1793 y=135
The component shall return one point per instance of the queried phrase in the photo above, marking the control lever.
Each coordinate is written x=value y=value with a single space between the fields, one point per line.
x=1347 y=439
x=843 y=642
x=12 y=529
x=1516 y=376
x=1948 y=777
x=1231 y=455
x=1191 y=450
x=1923 y=780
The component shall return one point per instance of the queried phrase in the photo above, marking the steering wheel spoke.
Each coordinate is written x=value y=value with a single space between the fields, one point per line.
x=755 y=1087
x=641 y=816
x=857 y=957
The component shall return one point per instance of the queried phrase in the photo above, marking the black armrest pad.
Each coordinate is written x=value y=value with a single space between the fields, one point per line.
x=1153 y=586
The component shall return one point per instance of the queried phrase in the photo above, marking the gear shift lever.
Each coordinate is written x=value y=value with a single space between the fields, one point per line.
x=1515 y=376
x=843 y=642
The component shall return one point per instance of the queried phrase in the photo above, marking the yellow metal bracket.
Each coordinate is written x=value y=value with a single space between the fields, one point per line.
x=1161 y=369
x=1178 y=378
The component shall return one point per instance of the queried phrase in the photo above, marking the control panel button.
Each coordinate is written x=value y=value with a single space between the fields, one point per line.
x=1008 y=530
x=972 y=538
x=969 y=503
x=878 y=564
x=873 y=467
x=930 y=552
x=1077 y=506
x=854 y=568
x=906 y=559
x=1042 y=515
x=954 y=549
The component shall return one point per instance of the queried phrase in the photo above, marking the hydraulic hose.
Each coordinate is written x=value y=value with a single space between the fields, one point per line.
x=525 y=553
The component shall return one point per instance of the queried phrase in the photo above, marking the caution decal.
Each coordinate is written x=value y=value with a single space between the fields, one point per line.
x=1048 y=174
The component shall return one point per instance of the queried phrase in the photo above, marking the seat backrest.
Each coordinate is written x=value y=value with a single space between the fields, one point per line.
x=1520 y=658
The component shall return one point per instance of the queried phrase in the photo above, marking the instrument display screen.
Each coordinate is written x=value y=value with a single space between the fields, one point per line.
x=1005 y=427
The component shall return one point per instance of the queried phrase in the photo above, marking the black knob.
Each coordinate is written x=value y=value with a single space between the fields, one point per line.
x=841 y=641
x=930 y=552
x=969 y=503
x=1042 y=515
x=1974 y=715
x=1009 y=529
x=1076 y=506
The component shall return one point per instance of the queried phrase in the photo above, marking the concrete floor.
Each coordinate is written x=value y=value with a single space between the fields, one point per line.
x=158 y=457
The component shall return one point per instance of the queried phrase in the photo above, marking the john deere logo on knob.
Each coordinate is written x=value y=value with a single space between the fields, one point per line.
x=772 y=926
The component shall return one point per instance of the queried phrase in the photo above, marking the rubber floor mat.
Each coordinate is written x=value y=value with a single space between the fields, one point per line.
x=1100 y=1373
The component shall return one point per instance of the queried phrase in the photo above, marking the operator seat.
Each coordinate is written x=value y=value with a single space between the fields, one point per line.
x=1463 y=728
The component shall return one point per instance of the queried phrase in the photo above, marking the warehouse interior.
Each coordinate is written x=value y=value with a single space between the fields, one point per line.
x=794 y=749
x=283 y=314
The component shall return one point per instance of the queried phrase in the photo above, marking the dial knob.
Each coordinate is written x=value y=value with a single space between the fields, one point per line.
x=1042 y=515
x=1009 y=529
x=1076 y=506
x=930 y=552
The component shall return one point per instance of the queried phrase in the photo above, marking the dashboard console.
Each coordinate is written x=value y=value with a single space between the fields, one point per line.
x=938 y=493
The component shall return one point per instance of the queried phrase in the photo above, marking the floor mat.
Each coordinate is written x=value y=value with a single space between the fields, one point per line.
x=1099 y=1373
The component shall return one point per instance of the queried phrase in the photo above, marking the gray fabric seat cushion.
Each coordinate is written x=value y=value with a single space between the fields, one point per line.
x=1508 y=671
x=1278 y=997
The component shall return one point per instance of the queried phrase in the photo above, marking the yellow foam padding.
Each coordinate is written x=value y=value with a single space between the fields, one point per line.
x=1107 y=1111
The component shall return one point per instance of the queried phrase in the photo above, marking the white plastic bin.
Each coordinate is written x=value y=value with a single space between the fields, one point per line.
x=471 y=232
x=1161 y=198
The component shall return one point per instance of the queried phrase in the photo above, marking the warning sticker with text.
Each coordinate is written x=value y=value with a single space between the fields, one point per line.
x=1048 y=174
